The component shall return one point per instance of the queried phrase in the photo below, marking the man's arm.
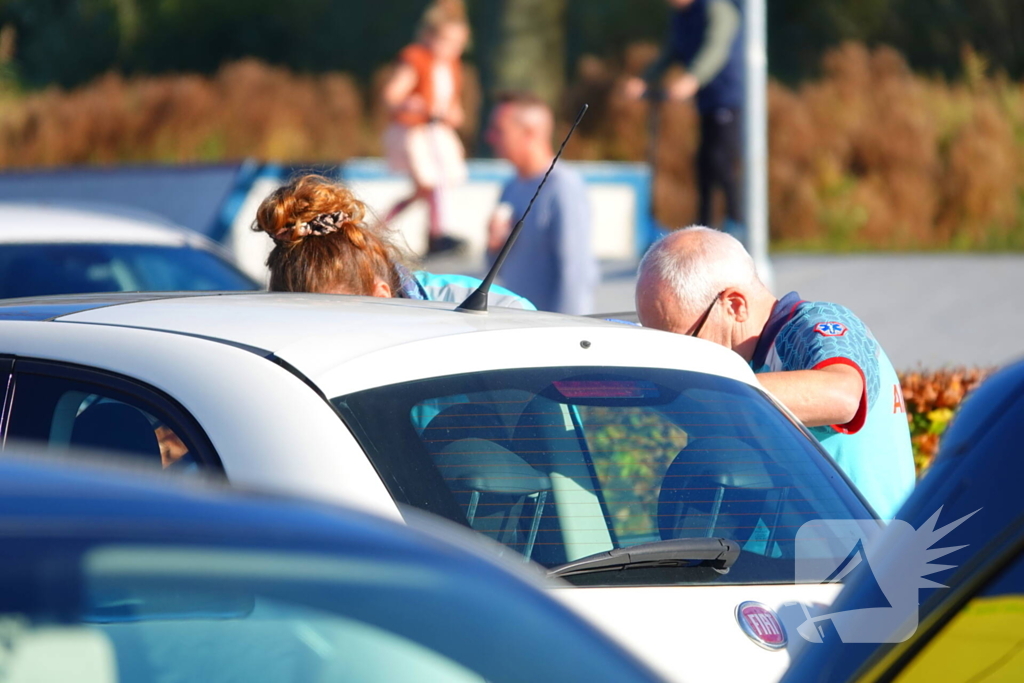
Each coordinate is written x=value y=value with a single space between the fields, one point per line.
x=831 y=395
x=723 y=25
x=657 y=69
x=398 y=90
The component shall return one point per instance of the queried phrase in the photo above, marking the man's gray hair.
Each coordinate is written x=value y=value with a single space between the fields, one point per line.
x=710 y=262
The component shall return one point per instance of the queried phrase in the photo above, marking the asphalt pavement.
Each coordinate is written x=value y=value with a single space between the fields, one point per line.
x=927 y=310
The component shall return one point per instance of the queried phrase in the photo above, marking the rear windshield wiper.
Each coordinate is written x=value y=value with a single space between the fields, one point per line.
x=717 y=553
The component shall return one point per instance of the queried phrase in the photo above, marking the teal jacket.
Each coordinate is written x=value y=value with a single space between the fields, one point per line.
x=455 y=288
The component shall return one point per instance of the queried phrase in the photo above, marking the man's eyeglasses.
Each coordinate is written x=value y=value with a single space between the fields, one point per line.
x=707 y=314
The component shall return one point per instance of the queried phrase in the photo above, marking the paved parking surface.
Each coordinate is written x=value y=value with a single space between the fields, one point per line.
x=929 y=310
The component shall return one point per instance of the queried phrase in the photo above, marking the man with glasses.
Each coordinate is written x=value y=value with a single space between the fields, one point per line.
x=817 y=358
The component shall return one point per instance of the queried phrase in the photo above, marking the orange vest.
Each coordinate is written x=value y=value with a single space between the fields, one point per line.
x=421 y=59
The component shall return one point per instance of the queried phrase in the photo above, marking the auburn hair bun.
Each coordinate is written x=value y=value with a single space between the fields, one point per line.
x=309 y=206
x=322 y=242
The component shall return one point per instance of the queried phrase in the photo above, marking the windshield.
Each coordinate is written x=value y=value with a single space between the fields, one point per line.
x=41 y=269
x=156 y=613
x=562 y=463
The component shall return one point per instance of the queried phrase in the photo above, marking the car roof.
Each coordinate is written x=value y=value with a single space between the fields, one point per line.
x=316 y=332
x=27 y=223
x=91 y=498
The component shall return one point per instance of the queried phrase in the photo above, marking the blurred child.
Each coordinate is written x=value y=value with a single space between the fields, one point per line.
x=423 y=99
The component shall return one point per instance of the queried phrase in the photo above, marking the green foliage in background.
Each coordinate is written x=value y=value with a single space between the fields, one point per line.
x=631 y=449
x=69 y=42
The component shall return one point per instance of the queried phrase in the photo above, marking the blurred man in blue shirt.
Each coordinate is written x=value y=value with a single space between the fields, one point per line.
x=552 y=263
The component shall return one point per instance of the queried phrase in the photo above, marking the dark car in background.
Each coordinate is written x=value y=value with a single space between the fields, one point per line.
x=62 y=250
x=972 y=629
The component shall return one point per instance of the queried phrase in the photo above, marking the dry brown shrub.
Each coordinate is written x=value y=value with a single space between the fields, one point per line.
x=619 y=129
x=795 y=206
x=979 y=190
x=899 y=161
x=864 y=137
x=593 y=83
x=675 y=191
x=868 y=156
x=932 y=399
x=247 y=109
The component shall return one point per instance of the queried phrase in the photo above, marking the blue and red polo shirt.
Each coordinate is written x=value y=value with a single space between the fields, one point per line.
x=874 y=448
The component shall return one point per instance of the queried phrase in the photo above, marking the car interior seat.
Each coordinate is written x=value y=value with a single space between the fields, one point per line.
x=546 y=437
x=116 y=428
x=465 y=421
x=719 y=487
x=502 y=495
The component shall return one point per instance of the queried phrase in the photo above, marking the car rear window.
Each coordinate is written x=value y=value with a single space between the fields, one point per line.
x=561 y=463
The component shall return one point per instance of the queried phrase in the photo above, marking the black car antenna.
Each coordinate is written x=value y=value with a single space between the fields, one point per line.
x=477 y=301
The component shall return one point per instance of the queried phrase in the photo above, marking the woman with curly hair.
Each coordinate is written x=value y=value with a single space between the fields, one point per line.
x=324 y=244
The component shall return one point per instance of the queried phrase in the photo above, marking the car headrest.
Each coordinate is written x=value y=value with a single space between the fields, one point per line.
x=116 y=427
x=484 y=466
x=729 y=469
x=715 y=461
x=464 y=421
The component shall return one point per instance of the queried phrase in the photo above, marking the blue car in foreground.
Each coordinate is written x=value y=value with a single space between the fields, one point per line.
x=105 y=576
x=971 y=627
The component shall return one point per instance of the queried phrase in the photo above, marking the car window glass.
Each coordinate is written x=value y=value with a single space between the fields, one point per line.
x=632 y=449
x=983 y=641
x=558 y=464
x=42 y=269
x=70 y=414
x=240 y=611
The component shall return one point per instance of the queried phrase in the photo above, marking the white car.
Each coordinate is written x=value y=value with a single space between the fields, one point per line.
x=53 y=249
x=648 y=469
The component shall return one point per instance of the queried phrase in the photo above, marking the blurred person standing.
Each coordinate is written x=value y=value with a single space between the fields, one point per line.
x=706 y=38
x=552 y=263
x=423 y=97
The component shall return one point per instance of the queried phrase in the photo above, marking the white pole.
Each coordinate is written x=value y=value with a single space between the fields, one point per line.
x=755 y=124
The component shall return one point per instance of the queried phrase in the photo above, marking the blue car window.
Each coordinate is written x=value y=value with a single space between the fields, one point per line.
x=43 y=269
x=228 y=608
x=64 y=413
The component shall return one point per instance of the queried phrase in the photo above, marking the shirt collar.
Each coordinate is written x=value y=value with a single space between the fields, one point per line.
x=411 y=287
x=781 y=313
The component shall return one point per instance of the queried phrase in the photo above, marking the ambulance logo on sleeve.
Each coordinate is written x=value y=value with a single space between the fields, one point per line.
x=830 y=329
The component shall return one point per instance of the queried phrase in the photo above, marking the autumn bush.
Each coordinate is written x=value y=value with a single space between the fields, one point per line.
x=868 y=156
x=932 y=399
x=246 y=109
x=633 y=448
